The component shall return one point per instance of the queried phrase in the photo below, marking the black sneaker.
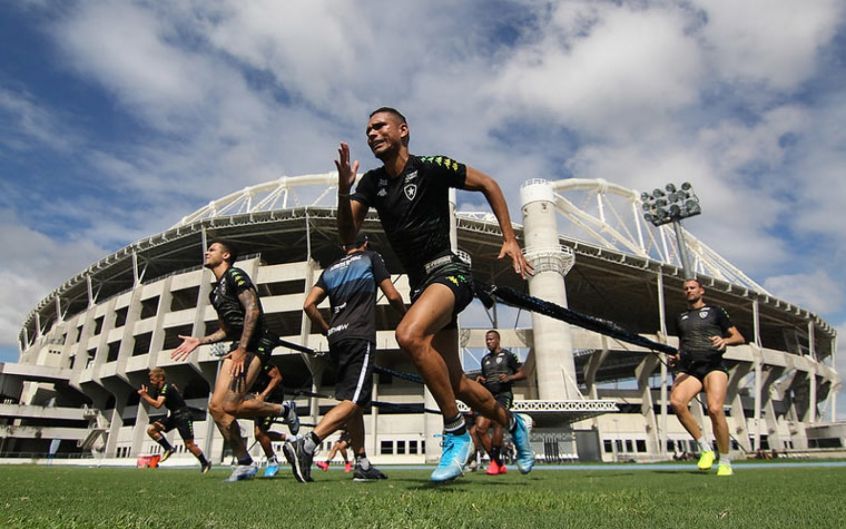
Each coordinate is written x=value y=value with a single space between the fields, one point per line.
x=205 y=468
x=299 y=459
x=371 y=474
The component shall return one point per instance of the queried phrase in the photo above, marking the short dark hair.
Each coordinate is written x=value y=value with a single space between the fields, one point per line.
x=496 y=332
x=390 y=110
x=398 y=115
x=695 y=280
x=230 y=248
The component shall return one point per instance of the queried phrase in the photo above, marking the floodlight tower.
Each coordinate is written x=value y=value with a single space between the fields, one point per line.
x=672 y=205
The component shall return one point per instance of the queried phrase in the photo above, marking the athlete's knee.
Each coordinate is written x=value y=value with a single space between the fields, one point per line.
x=678 y=403
x=190 y=445
x=410 y=338
x=217 y=411
x=152 y=431
x=715 y=409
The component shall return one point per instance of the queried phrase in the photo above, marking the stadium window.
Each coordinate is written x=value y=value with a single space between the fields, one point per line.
x=412 y=447
x=185 y=298
x=112 y=355
x=171 y=340
x=619 y=443
x=91 y=353
x=149 y=307
x=607 y=446
x=142 y=344
x=282 y=288
x=629 y=447
x=71 y=361
x=401 y=447
x=78 y=334
x=98 y=325
x=120 y=316
x=386 y=447
x=422 y=447
x=640 y=445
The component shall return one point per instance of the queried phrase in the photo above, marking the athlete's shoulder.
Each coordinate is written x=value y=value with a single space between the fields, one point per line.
x=441 y=161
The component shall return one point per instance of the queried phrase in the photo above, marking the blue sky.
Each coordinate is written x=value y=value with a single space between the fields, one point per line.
x=117 y=118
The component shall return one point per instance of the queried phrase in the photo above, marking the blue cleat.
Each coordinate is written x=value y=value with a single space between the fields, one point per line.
x=271 y=470
x=456 y=450
x=525 y=454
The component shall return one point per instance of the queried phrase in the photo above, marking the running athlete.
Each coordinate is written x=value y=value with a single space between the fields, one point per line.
x=268 y=388
x=704 y=332
x=159 y=394
x=339 y=447
x=239 y=310
x=411 y=195
x=350 y=283
x=500 y=369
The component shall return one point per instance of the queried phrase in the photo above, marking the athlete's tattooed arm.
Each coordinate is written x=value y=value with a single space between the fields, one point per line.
x=249 y=300
x=189 y=343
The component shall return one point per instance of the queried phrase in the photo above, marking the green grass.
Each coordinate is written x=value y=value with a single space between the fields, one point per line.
x=66 y=497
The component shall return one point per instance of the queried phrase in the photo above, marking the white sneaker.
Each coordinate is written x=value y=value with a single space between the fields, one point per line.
x=243 y=472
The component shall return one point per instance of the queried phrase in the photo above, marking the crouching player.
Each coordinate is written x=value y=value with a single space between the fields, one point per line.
x=159 y=394
x=268 y=388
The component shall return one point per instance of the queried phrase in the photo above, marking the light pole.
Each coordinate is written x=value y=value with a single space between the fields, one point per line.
x=671 y=205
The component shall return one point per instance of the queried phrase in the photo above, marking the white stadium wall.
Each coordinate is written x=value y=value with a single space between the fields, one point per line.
x=87 y=347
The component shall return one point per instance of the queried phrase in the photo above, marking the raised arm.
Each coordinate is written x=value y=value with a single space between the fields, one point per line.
x=479 y=181
x=351 y=213
x=156 y=403
x=189 y=343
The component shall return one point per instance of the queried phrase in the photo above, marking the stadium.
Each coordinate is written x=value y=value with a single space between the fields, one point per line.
x=88 y=345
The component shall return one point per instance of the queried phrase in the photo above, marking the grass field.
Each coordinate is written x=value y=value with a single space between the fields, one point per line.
x=68 y=497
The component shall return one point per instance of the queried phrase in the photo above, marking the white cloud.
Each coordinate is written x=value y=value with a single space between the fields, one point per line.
x=26 y=125
x=773 y=43
x=816 y=291
x=37 y=265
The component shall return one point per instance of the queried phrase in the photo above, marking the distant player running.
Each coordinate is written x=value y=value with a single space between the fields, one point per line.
x=238 y=307
x=268 y=388
x=158 y=394
x=704 y=332
x=338 y=447
x=500 y=369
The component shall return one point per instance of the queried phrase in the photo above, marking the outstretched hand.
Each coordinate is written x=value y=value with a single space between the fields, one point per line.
x=189 y=343
x=346 y=171
x=512 y=249
x=143 y=390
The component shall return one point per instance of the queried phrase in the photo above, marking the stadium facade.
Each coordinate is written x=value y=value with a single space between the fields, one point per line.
x=87 y=347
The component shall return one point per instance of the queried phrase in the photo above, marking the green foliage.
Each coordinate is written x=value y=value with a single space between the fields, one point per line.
x=113 y=498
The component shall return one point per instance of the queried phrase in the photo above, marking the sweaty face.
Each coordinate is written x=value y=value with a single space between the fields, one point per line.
x=693 y=292
x=492 y=341
x=384 y=133
x=214 y=255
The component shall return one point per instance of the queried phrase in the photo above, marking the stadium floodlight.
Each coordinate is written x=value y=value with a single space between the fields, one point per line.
x=671 y=205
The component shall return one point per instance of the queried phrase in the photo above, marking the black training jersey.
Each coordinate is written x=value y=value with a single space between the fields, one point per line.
x=414 y=208
x=695 y=328
x=173 y=399
x=351 y=283
x=224 y=298
x=495 y=364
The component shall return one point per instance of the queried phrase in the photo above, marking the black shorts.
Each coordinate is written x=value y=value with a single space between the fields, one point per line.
x=262 y=348
x=456 y=275
x=506 y=398
x=354 y=358
x=700 y=368
x=181 y=420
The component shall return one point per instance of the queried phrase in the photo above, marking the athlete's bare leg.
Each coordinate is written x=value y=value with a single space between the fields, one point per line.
x=434 y=352
x=335 y=418
x=685 y=388
x=482 y=437
x=226 y=399
x=716 y=387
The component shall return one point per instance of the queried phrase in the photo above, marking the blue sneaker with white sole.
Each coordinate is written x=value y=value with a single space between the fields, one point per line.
x=525 y=454
x=456 y=450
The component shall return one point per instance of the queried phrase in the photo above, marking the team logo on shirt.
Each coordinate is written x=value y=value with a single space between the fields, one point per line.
x=703 y=314
x=410 y=191
x=382 y=192
x=499 y=360
x=410 y=176
x=383 y=182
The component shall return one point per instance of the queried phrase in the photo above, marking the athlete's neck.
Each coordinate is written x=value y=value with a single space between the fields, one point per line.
x=698 y=304
x=395 y=163
x=220 y=269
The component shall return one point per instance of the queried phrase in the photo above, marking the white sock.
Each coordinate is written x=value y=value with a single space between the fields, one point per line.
x=703 y=445
x=725 y=459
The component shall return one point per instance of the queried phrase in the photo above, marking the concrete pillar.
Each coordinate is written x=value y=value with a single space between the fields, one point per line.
x=553 y=346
